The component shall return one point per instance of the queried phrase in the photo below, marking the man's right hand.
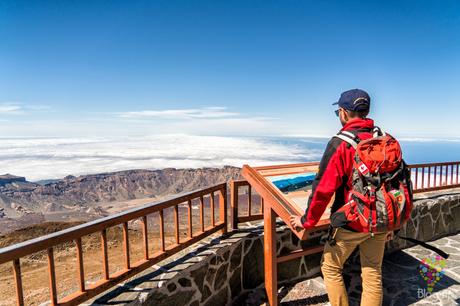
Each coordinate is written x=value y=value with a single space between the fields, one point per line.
x=296 y=223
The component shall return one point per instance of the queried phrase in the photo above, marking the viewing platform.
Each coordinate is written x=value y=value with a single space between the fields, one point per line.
x=194 y=250
x=229 y=270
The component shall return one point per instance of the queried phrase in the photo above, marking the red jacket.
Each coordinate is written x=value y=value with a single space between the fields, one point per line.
x=334 y=174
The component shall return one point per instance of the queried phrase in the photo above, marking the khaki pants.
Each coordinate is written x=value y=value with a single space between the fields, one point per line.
x=371 y=255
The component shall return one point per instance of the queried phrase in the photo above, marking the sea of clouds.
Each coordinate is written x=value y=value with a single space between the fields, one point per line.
x=50 y=158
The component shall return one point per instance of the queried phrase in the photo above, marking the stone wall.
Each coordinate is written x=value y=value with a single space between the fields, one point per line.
x=224 y=270
x=435 y=215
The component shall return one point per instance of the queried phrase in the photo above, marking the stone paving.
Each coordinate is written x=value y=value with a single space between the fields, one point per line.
x=402 y=280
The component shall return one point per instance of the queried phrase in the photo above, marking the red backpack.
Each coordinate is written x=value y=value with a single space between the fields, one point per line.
x=381 y=196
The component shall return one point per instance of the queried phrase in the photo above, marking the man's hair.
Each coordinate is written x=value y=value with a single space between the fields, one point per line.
x=358 y=114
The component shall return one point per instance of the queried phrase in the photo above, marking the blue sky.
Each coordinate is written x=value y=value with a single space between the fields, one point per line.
x=76 y=68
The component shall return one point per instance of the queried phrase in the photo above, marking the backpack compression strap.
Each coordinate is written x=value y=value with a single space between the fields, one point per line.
x=426 y=246
x=349 y=138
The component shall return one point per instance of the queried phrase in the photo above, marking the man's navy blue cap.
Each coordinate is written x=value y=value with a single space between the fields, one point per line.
x=354 y=100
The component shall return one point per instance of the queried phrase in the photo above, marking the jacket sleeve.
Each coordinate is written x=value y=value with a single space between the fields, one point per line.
x=327 y=181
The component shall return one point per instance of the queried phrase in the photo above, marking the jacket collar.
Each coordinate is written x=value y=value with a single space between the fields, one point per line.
x=358 y=123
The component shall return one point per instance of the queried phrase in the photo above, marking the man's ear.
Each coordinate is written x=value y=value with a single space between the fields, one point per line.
x=344 y=115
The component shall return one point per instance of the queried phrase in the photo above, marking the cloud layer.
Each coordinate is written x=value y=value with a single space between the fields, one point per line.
x=48 y=158
x=192 y=113
x=14 y=108
x=9 y=108
x=45 y=158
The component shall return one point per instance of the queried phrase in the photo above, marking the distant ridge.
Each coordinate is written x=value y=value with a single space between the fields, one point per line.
x=9 y=178
x=85 y=197
x=117 y=186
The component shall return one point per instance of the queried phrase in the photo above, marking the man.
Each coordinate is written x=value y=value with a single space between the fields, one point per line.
x=334 y=177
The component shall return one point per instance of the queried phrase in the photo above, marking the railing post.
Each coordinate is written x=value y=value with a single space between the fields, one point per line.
x=249 y=200
x=162 y=231
x=429 y=177
x=126 y=245
x=105 y=257
x=213 y=220
x=440 y=179
x=270 y=264
x=423 y=178
x=234 y=204
x=456 y=180
x=80 y=266
x=52 y=277
x=176 y=224
x=190 y=222
x=223 y=207
x=18 y=282
x=202 y=213
x=145 y=237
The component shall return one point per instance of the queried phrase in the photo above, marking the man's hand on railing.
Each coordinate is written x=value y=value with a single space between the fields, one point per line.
x=295 y=222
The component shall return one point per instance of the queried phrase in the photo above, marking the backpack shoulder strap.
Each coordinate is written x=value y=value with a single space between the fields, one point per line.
x=348 y=137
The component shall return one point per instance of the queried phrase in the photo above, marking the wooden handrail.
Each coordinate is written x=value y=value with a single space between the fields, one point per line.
x=41 y=243
x=74 y=234
x=435 y=176
x=433 y=164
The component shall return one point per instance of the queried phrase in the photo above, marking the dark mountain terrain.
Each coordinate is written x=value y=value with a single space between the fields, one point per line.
x=86 y=197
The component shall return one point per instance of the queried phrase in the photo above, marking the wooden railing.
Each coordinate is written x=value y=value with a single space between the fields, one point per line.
x=435 y=176
x=242 y=188
x=426 y=177
x=74 y=235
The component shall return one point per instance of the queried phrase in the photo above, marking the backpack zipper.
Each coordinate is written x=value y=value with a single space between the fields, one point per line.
x=372 y=193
